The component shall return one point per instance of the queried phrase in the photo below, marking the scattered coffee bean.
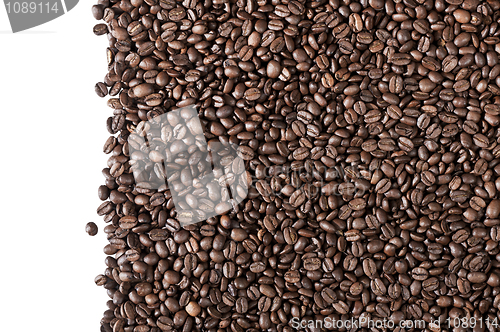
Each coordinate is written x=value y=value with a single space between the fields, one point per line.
x=91 y=229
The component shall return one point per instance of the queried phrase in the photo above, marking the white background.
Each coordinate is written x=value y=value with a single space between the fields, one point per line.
x=53 y=130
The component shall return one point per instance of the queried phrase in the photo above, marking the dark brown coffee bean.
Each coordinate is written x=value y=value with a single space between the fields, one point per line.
x=143 y=90
x=312 y=264
x=460 y=236
x=91 y=229
x=100 y=29
x=101 y=90
x=400 y=59
x=341 y=307
x=378 y=287
x=267 y=290
x=449 y=63
x=297 y=198
x=419 y=273
x=329 y=295
x=246 y=153
x=350 y=263
x=366 y=178
x=357 y=204
x=369 y=268
x=493 y=209
x=292 y=276
x=242 y=305
x=128 y=222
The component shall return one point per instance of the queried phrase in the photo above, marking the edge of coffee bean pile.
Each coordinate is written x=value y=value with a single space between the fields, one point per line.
x=369 y=133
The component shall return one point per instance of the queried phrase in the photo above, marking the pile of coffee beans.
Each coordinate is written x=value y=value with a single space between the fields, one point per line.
x=91 y=229
x=370 y=130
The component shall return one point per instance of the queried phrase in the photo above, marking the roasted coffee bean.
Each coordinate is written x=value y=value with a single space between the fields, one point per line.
x=241 y=305
x=378 y=287
x=341 y=307
x=357 y=204
x=101 y=90
x=369 y=268
x=292 y=276
x=329 y=295
x=312 y=264
x=246 y=153
x=419 y=273
x=100 y=29
x=350 y=263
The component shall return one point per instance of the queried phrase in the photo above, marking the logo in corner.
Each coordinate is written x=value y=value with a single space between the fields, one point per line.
x=24 y=15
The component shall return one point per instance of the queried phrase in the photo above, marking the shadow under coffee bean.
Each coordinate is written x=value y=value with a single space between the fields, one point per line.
x=369 y=131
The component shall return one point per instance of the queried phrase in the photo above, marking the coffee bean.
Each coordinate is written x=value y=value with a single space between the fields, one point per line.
x=143 y=90
x=477 y=203
x=463 y=286
x=242 y=305
x=312 y=264
x=493 y=209
x=369 y=268
x=128 y=222
x=350 y=262
x=399 y=59
x=357 y=204
x=378 y=287
x=100 y=29
x=329 y=295
x=267 y=291
x=292 y=276
x=91 y=229
x=245 y=153
x=419 y=273
x=297 y=198
x=356 y=288
x=273 y=69
x=101 y=90
x=193 y=309
x=290 y=235
x=383 y=186
x=477 y=277
x=383 y=310
x=449 y=63
x=460 y=236
x=394 y=291
x=352 y=235
x=341 y=307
